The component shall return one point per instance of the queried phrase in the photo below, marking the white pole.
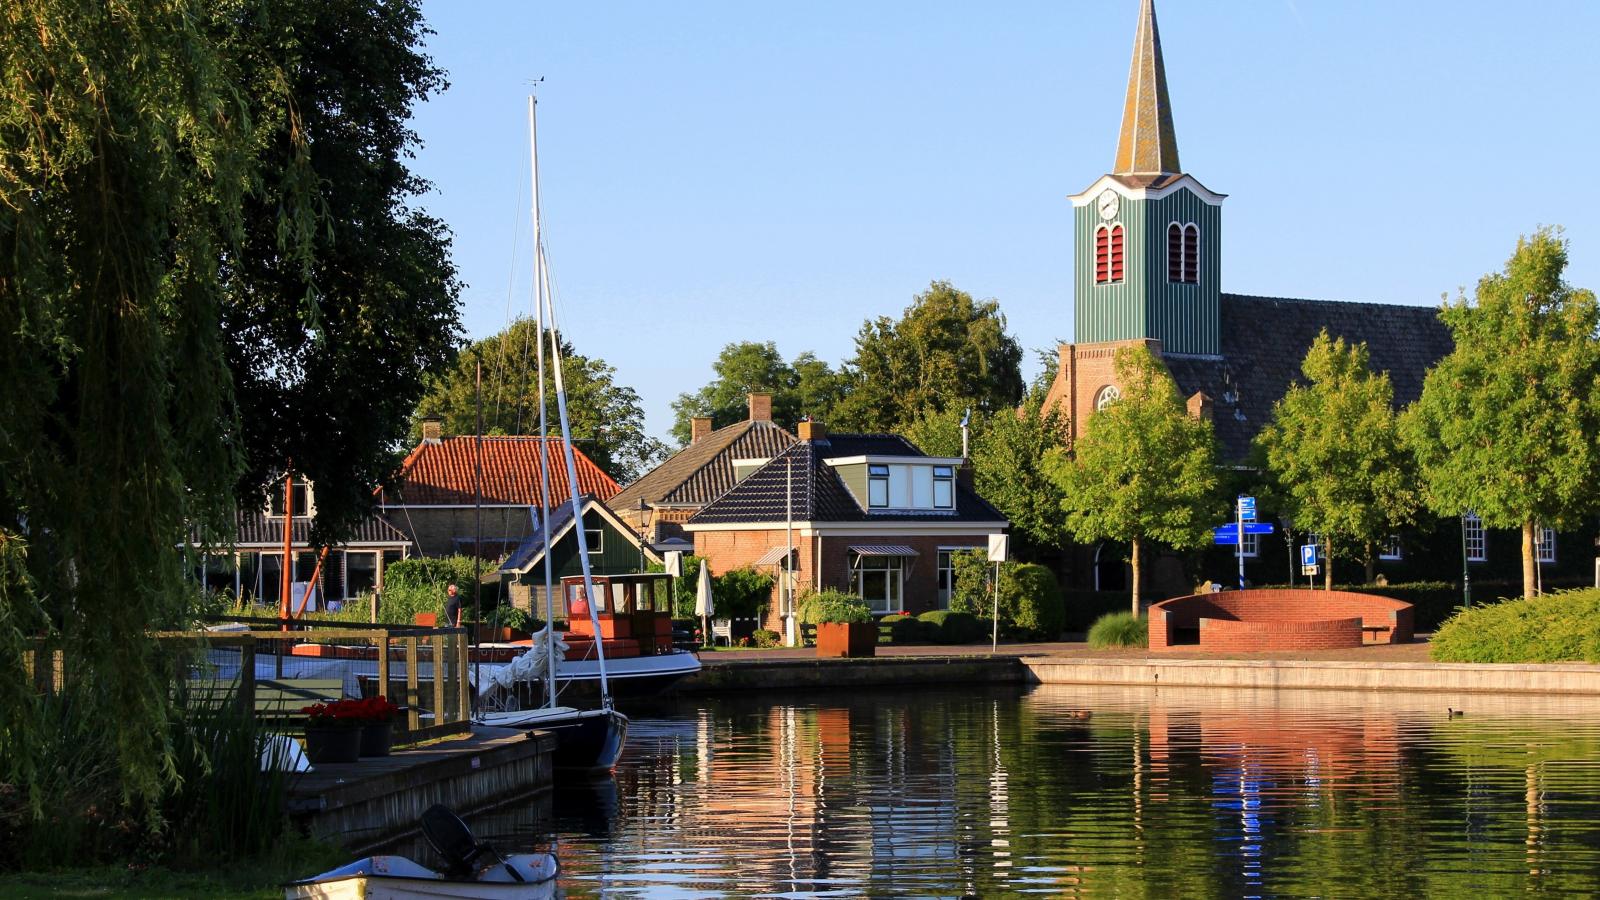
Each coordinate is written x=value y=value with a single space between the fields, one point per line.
x=994 y=637
x=572 y=482
x=790 y=629
x=544 y=454
x=1238 y=510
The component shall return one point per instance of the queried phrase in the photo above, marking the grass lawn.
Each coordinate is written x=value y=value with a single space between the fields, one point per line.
x=240 y=880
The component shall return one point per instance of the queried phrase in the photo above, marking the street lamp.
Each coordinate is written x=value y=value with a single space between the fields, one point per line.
x=643 y=530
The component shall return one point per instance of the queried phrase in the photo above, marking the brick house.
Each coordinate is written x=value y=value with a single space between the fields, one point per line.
x=435 y=504
x=712 y=463
x=866 y=513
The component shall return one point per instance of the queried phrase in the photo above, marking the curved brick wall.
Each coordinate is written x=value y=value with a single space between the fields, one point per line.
x=1278 y=620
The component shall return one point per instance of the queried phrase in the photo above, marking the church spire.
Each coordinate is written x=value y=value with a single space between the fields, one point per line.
x=1147 y=145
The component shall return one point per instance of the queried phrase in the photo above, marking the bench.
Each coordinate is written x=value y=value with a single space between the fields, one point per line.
x=277 y=700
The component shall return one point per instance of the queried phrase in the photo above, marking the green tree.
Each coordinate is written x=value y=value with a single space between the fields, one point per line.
x=328 y=346
x=1014 y=457
x=607 y=418
x=1144 y=469
x=1333 y=447
x=946 y=352
x=806 y=387
x=1508 y=425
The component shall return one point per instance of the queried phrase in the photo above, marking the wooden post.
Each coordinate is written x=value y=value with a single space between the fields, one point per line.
x=413 y=717
x=438 y=679
x=383 y=666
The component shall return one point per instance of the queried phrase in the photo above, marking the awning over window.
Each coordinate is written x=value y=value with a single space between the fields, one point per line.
x=772 y=557
x=882 y=550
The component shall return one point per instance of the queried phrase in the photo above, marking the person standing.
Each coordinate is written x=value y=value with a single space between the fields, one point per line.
x=452 y=606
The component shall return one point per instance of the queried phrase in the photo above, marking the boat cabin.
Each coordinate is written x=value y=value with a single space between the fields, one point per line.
x=635 y=612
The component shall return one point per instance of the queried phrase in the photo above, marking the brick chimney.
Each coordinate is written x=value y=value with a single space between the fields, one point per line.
x=699 y=427
x=760 y=407
x=812 y=431
x=1200 y=406
x=432 y=430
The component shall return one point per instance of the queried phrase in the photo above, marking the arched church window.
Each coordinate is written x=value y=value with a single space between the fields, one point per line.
x=1183 y=253
x=1108 y=254
x=1106 y=396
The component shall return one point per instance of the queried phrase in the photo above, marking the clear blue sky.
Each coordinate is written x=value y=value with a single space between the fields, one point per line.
x=762 y=171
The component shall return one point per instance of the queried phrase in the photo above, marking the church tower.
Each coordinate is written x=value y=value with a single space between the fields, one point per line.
x=1146 y=237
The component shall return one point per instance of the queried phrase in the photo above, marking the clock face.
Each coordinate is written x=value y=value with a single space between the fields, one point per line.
x=1109 y=202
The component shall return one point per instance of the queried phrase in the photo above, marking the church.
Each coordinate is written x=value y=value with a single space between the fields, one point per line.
x=1147 y=240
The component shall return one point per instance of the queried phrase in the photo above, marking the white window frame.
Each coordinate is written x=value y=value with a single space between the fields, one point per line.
x=895 y=582
x=1250 y=547
x=1390 y=549
x=877 y=480
x=305 y=510
x=945 y=576
x=1545 y=545
x=596 y=539
x=944 y=477
x=1106 y=396
x=1476 y=538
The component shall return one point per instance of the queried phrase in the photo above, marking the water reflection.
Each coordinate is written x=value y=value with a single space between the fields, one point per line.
x=1064 y=790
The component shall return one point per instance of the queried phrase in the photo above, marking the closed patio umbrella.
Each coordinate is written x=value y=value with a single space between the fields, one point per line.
x=703 y=605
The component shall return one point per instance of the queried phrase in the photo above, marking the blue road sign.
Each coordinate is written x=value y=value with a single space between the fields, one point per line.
x=1247 y=509
x=1228 y=539
x=1231 y=529
x=1308 y=554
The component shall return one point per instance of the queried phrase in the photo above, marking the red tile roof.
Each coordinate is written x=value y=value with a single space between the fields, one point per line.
x=444 y=474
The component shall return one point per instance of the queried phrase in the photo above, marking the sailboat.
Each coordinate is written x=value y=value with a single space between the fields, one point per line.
x=588 y=739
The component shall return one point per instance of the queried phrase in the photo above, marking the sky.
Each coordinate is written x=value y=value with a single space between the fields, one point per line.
x=721 y=172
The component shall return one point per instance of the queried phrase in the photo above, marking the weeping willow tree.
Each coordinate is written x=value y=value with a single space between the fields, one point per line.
x=125 y=152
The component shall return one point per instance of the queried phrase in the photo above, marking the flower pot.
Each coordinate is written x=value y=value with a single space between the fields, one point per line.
x=375 y=737
x=333 y=744
x=852 y=639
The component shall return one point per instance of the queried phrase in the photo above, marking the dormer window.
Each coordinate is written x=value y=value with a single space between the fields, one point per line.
x=303 y=500
x=1108 y=254
x=877 y=486
x=944 y=487
x=1183 y=253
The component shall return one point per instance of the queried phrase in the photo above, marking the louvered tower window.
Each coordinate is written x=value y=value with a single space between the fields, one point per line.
x=1183 y=253
x=1108 y=267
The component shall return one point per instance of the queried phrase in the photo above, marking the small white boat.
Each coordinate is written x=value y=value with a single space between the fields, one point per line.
x=398 y=878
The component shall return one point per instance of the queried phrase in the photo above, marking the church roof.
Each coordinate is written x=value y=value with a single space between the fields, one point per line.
x=1148 y=144
x=1264 y=340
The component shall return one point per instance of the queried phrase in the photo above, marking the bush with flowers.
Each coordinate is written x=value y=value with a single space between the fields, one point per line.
x=350 y=713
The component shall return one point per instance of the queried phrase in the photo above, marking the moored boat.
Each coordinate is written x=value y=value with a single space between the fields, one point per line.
x=398 y=878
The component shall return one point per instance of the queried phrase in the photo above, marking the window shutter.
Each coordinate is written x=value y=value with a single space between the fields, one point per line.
x=1174 y=252
x=1102 y=255
x=1191 y=254
x=1116 y=254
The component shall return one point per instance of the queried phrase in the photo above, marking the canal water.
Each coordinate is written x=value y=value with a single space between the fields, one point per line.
x=1060 y=790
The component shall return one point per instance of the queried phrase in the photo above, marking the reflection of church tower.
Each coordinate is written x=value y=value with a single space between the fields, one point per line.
x=1146 y=236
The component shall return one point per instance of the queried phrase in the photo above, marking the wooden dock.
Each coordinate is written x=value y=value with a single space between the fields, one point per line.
x=367 y=804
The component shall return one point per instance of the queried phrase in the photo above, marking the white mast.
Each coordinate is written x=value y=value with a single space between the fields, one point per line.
x=544 y=453
x=572 y=482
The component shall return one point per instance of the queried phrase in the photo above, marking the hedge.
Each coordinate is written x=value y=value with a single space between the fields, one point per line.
x=1031 y=604
x=954 y=627
x=1563 y=626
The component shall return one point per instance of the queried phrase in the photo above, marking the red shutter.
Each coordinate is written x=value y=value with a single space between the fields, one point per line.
x=1116 y=253
x=1102 y=255
x=1191 y=253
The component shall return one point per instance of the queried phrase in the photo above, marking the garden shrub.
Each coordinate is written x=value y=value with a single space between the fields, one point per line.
x=1119 y=629
x=832 y=606
x=907 y=629
x=740 y=593
x=765 y=638
x=417 y=585
x=1563 y=626
x=1031 y=604
x=954 y=626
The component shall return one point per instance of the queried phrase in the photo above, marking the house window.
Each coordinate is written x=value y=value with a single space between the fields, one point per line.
x=1250 y=546
x=1106 y=396
x=944 y=487
x=1108 y=246
x=1315 y=540
x=878 y=486
x=1472 y=527
x=1547 y=545
x=1183 y=253
x=303 y=499
x=596 y=539
x=360 y=573
x=1390 y=548
x=878 y=580
x=947 y=572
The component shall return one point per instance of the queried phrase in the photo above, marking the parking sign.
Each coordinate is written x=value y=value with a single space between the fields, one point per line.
x=1308 y=554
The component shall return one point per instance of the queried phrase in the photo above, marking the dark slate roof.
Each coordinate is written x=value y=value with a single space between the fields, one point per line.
x=702 y=471
x=256 y=529
x=1264 y=340
x=818 y=493
x=531 y=549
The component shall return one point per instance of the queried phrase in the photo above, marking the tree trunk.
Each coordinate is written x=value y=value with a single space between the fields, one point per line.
x=1327 y=563
x=1372 y=563
x=1529 y=577
x=1135 y=561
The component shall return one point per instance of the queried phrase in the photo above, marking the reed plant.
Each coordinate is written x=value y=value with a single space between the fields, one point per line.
x=1119 y=629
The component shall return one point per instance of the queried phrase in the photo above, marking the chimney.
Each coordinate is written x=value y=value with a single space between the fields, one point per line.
x=699 y=427
x=1200 y=406
x=964 y=473
x=812 y=431
x=432 y=430
x=760 y=407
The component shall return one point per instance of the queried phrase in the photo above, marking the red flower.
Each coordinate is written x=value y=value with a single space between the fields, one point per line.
x=353 y=712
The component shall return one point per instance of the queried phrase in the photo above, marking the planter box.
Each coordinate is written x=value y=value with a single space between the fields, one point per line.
x=847 y=638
